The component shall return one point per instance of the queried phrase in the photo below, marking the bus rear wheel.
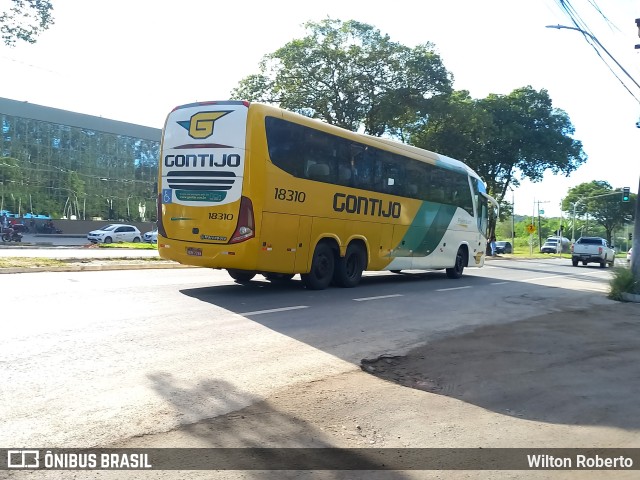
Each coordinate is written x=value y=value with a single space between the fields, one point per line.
x=458 y=268
x=322 y=267
x=349 y=268
x=241 y=276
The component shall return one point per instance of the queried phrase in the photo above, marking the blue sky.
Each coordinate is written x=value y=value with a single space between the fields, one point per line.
x=135 y=60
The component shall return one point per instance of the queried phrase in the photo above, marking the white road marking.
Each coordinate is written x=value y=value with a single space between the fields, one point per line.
x=498 y=283
x=453 y=288
x=364 y=299
x=541 y=278
x=274 y=310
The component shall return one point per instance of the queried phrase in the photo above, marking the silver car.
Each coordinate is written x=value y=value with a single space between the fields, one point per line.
x=115 y=232
x=151 y=237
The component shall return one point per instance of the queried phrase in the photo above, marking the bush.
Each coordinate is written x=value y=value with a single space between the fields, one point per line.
x=622 y=282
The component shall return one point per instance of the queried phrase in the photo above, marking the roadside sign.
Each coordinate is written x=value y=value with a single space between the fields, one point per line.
x=540 y=212
x=531 y=228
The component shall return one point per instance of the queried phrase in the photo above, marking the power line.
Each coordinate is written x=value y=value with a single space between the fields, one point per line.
x=581 y=26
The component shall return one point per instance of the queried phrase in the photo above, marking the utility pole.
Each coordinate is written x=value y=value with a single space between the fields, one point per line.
x=513 y=222
x=635 y=255
x=539 y=230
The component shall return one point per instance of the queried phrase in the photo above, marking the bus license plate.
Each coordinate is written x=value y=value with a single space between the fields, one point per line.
x=194 y=252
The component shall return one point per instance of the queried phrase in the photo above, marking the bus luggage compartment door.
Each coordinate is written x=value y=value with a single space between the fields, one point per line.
x=278 y=242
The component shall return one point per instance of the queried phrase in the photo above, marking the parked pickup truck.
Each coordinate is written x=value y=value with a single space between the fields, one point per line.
x=592 y=250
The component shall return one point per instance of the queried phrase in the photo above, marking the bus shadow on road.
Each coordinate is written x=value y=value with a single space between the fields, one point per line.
x=578 y=364
x=579 y=367
x=261 y=286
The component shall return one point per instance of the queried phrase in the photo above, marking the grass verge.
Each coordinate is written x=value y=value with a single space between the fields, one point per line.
x=134 y=246
x=622 y=282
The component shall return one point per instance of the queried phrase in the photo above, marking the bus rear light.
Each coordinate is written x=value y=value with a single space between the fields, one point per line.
x=246 y=225
x=161 y=230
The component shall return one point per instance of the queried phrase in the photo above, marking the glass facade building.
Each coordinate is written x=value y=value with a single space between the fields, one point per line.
x=71 y=165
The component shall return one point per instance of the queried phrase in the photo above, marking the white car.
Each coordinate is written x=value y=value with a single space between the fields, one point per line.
x=115 y=232
x=151 y=237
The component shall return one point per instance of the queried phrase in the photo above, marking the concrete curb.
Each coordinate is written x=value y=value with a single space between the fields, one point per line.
x=116 y=265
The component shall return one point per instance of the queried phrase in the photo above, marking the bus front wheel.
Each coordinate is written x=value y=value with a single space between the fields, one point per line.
x=458 y=268
x=322 y=267
x=349 y=268
x=241 y=276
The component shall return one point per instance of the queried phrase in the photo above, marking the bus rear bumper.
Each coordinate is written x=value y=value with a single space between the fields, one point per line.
x=237 y=256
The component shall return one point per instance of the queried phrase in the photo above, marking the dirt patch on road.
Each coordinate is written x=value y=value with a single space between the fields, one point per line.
x=578 y=367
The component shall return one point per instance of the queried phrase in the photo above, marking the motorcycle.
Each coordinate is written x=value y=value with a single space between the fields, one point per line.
x=11 y=235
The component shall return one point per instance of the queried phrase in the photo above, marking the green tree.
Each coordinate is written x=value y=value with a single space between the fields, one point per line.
x=602 y=203
x=25 y=20
x=504 y=138
x=349 y=74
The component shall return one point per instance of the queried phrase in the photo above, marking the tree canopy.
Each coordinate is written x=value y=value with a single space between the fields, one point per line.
x=504 y=138
x=25 y=20
x=602 y=203
x=350 y=75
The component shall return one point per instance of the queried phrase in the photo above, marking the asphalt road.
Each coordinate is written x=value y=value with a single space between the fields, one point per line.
x=95 y=358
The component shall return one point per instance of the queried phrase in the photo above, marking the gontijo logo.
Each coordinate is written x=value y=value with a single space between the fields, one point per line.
x=200 y=125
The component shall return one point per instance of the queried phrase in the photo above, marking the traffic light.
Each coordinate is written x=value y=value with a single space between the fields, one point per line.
x=625 y=194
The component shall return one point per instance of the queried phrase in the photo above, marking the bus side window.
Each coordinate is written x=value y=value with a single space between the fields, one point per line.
x=362 y=167
x=483 y=214
x=319 y=171
x=415 y=179
x=288 y=160
x=344 y=174
x=463 y=194
x=319 y=151
x=283 y=143
x=344 y=162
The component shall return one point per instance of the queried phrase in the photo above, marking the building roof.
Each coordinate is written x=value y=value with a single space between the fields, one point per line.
x=80 y=120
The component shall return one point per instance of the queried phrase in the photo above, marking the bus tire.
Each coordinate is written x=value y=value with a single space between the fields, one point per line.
x=278 y=277
x=348 y=270
x=241 y=276
x=458 y=268
x=322 y=268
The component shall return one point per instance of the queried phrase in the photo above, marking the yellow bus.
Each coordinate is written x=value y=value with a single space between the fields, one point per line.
x=255 y=189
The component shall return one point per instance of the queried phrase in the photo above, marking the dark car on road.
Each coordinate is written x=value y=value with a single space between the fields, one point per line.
x=504 y=247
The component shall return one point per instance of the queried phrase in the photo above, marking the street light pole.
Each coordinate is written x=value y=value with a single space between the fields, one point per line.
x=539 y=229
x=513 y=220
x=573 y=221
